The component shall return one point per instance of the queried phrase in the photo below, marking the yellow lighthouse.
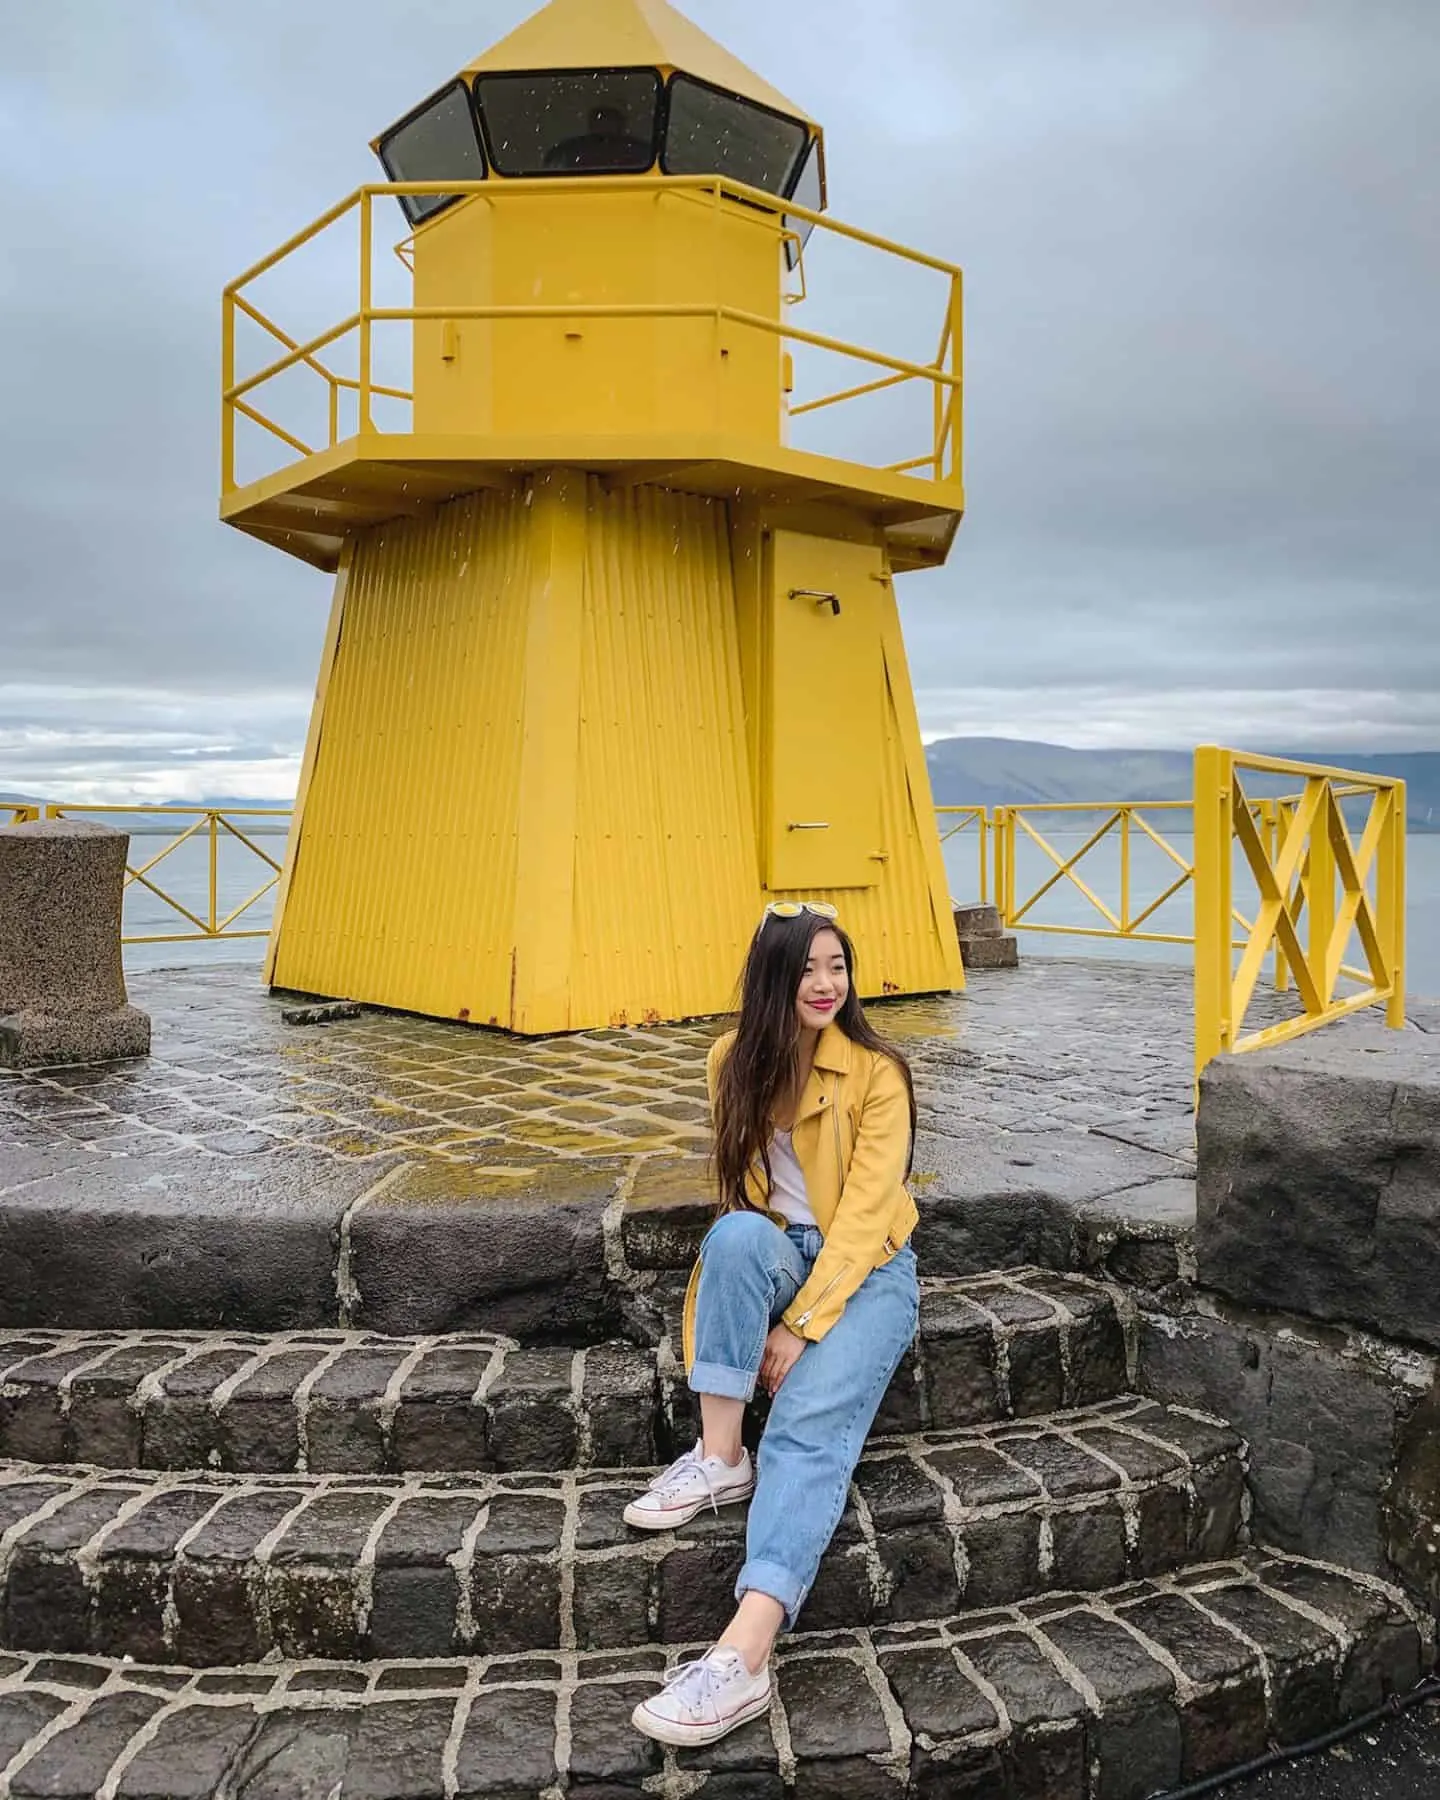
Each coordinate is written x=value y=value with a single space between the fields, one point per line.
x=613 y=657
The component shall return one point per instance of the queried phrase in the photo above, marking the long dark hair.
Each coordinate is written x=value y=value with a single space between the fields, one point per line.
x=764 y=1061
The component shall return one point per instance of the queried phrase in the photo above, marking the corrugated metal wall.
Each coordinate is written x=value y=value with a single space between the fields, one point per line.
x=667 y=883
x=403 y=891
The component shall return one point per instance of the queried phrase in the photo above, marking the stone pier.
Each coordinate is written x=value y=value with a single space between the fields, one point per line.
x=329 y=1355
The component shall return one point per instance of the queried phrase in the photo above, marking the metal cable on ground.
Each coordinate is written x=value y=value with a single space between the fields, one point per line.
x=1429 y=1689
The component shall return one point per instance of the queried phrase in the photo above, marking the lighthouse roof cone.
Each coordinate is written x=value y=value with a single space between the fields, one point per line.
x=598 y=34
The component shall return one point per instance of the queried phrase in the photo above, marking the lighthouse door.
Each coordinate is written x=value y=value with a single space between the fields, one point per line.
x=824 y=694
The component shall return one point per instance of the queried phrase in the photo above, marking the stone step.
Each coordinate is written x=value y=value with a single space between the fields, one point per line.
x=989 y=1348
x=1069 y=1698
x=211 y=1569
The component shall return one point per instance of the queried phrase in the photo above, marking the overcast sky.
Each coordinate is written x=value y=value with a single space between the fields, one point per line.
x=1202 y=246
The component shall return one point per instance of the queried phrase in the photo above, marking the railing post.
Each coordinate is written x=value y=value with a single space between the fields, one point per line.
x=1390 y=903
x=983 y=821
x=227 y=406
x=214 y=874
x=367 y=258
x=1323 y=966
x=1004 y=872
x=717 y=276
x=1125 y=870
x=956 y=395
x=1214 y=837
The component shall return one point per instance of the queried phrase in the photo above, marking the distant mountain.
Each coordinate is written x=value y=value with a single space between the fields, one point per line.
x=1013 y=772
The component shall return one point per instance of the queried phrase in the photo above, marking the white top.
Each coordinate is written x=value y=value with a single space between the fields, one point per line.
x=788 y=1195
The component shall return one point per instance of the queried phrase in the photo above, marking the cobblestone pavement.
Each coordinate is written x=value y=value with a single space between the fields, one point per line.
x=389 y=1172
x=1056 y=1046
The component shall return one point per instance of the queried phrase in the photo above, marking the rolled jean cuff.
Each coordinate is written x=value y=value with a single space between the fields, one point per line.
x=722 y=1381
x=769 y=1578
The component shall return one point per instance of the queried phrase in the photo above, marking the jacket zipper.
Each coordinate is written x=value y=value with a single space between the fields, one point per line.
x=844 y=1269
x=819 y=1301
x=890 y=1245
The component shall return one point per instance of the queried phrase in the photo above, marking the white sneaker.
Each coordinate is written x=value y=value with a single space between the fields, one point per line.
x=702 y=1701
x=688 y=1486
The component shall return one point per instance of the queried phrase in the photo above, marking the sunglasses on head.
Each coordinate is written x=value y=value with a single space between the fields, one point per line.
x=792 y=909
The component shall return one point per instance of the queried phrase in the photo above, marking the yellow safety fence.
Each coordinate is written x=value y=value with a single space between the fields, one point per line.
x=354 y=333
x=1127 y=826
x=1309 y=873
x=1315 y=884
x=1293 y=852
x=207 y=827
x=954 y=821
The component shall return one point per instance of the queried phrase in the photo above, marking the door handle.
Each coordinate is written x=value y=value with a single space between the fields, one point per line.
x=819 y=596
x=797 y=826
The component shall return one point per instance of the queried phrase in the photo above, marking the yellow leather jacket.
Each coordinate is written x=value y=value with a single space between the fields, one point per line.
x=852 y=1140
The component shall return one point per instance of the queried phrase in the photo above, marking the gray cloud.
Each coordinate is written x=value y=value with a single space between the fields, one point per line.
x=1201 y=262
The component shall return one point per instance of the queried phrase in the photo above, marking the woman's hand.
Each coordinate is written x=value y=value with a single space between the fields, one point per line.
x=782 y=1352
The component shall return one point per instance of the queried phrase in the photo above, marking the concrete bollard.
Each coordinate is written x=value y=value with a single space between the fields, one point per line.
x=62 y=985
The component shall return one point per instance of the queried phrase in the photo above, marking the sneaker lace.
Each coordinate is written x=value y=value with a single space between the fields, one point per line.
x=698 y=1685
x=679 y=1472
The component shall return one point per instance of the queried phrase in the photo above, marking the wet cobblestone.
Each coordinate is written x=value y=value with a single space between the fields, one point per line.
x=406 y=1175
x=989 y=1348
x=197 y=1566
x=1053 y=1047
x=1056 y=1046
x=1134 y=1687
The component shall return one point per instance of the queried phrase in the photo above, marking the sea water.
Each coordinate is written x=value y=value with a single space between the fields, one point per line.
x=184 y=874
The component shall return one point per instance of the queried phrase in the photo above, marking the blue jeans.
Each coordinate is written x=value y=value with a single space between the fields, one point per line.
x=750 y=1271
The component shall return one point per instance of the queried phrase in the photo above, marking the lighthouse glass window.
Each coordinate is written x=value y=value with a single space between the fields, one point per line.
x=711 y=132
x=600 y=122
x=437 y=142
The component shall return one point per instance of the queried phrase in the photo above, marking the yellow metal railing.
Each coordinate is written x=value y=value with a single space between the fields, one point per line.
x=956 y=820
x=944 y=376
x=1297 y=851
x=1307 y=869
x=1124 y=824
x=17 y=812
x=211 y=827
